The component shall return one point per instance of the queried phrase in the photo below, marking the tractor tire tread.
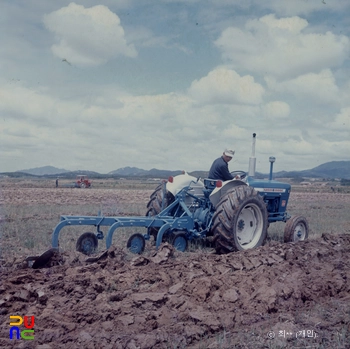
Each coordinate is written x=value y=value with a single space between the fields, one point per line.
x=290 y=226
x=227 y=208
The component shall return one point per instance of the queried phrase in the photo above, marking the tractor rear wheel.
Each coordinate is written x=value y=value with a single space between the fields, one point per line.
x=296 y=229
x=156 y=203
x=240 y=220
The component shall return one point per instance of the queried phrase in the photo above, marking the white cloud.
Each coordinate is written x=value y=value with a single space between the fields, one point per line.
x=162 y=131
x=278 y=47
x=276 y=110
x=235 y=133
x=116 y=129
x=124 y=113
x=312 y=87
x=87 y=36
x=18 y=102
x=297 y=147
x=342 y=121
x=223 y=85
x=293 y=25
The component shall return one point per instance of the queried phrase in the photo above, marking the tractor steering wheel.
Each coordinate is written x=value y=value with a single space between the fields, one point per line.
x=241 y=174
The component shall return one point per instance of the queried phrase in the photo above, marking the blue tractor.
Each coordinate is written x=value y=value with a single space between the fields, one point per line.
x=232 y=215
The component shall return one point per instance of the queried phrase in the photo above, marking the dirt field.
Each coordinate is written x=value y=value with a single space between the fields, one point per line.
x=276 y=296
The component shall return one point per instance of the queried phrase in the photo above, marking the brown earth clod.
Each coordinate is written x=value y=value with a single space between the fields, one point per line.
x=182 y=300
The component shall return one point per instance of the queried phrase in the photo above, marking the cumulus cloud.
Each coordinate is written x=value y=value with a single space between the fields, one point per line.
x=297 y=147
x=35 y=106
x=224 y=85
x=235 y=132
x=125 y=130
x=276 y=110
x=342 y=121
x=87 y=36
x=147 y=131
x=280 y=48
x=300 y=112
x=320 y=87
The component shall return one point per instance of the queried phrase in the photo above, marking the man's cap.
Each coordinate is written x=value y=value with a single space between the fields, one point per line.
x=229 y=153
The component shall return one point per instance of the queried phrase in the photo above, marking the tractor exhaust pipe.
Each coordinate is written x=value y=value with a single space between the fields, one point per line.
x=252 y=159
x=272 y=159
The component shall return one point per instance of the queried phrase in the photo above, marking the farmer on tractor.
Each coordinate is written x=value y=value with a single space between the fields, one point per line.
x=233 y=213
x=219 y=168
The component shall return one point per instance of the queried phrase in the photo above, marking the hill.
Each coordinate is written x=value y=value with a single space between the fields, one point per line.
x=332 y=169
x=128 y=171
x=45 y=170
x=137 y=172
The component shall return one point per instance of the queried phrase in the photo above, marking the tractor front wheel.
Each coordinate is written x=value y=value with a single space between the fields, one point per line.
x=296 y=229
x=240 y=220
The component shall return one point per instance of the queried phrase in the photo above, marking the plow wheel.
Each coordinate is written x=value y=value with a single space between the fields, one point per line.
x=156 y=203
x=240 y=220
x=179 y=241
x=136 y=243
x=296 y=229
x=87 y=243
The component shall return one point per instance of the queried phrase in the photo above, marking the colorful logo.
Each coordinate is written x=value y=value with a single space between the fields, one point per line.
x=27 y=321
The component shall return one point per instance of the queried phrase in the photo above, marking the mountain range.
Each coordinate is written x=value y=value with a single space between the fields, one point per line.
x=333 y=169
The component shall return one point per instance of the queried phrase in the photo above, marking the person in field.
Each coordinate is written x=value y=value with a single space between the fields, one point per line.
x=219 y=168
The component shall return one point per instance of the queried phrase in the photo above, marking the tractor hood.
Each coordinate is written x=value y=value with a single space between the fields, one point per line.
x=261 y=186
x=268 y=186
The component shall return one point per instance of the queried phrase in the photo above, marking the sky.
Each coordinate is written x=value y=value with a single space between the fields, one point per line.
x=169 y=84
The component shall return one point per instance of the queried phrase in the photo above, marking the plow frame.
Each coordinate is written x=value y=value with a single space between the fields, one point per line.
x=177 y=216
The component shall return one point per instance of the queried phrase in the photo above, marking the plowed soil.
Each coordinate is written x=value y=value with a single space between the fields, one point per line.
x=281 y=295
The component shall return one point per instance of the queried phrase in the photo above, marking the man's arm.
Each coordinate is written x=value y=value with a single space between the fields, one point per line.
x=225 y=173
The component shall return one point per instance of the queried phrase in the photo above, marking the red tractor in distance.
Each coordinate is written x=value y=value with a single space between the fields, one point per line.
x=82 y=181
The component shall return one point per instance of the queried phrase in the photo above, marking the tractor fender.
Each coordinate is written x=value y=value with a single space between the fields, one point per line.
x=217 y=193
x=181 y=181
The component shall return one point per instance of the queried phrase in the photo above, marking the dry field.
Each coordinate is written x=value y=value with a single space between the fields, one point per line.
x=170 y=299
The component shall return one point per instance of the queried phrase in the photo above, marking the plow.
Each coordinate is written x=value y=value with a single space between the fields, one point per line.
x=231 y=215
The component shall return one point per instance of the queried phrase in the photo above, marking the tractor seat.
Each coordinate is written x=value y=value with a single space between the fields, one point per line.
x=210 y=183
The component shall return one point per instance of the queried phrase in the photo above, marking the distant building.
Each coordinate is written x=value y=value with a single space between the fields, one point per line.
x=305 y=183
